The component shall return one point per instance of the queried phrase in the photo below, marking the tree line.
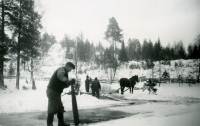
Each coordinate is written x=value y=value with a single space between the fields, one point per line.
x=147 y=51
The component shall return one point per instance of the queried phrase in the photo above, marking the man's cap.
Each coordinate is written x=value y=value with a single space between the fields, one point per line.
x=70 y=64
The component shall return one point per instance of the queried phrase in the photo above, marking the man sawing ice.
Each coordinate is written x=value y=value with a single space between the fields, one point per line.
x=57 y=83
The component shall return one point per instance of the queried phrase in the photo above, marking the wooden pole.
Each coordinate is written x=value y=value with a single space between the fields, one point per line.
x=74 y=107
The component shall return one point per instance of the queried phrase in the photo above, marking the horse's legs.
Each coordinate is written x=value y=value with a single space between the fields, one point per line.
x=132 y=89
x=122 y=89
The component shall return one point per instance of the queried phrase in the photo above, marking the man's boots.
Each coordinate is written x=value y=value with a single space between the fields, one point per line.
x=50 y=119
x=61 y=120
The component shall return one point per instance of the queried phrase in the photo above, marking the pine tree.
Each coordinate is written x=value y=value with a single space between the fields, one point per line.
x=122 y=54
x=145 y=50
x=46 y=42
x=134 y=49
x=7 y=9
x=182 y=53
x=150 y=54
x=3 y=47
x=32 y=49
x=130 y=49
x=68 y=44
x=165 y=75
x=138 y=50
x=166 y=53
x=81 y=54
x=88 y=50
x=158 y=51
x=190 y=51
x=18 y=23
x=113 y=35
x=25 y=26
x=113 y=32
x=179 y=50
x=172 y=53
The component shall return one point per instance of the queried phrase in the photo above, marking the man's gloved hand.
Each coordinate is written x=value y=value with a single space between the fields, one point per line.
x=72 y=81
x=69 y=82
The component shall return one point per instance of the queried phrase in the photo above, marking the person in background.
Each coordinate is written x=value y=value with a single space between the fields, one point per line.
x=90 y=80
x=87 y=84
x=96 y=87
x=90 y=83
x=57 y=83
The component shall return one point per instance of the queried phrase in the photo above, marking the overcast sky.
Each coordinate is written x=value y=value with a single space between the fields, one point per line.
x=170 y=20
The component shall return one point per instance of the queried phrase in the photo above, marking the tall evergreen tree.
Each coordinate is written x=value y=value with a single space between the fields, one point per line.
x=99 y=57
x=3 y=47
x=172 y=53
x=166 y=53
x=179 y=50
x=26 y=26
x=113 y=32
x=17 y=31
x=190 y=51
x=7 y=8
x=158 y=51
x=195 y=53
x=81 y=48
x=32 y=35
x=69 y=44
x=134 y=49
x=122 y=53
x=150 y=50
x=148 y=54
x=182 y=53
x=130 y=49
x=114 y=35
x=145 y=50
x=88 y=50
x=138 y=50
x=46 y=42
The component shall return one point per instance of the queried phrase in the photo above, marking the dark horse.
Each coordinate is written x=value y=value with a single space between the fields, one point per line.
x=125 y=82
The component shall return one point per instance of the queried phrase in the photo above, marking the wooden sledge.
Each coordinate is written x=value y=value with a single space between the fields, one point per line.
x=120 y=88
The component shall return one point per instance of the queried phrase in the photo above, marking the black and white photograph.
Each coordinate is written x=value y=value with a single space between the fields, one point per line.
x=99 y=62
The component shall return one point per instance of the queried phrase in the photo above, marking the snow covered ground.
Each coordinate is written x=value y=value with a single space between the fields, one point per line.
x=157 y=115
x=178 y=106
x=173 y=105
